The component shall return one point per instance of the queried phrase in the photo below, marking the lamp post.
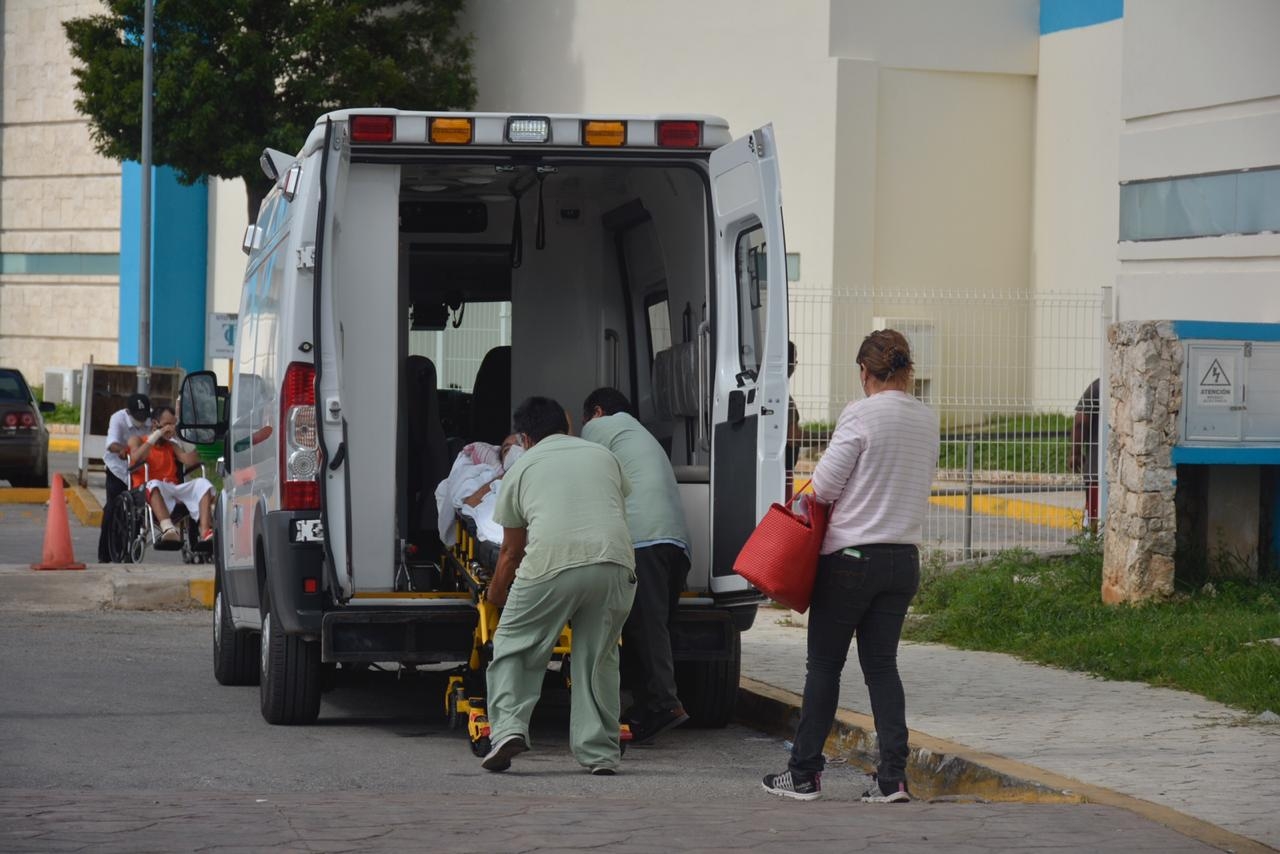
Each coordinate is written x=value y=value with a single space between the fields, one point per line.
x=144 y=266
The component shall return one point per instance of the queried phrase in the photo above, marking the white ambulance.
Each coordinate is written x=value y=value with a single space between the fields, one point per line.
x=412 y=276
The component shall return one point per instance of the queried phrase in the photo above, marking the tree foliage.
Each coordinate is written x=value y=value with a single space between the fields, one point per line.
x=232 y=77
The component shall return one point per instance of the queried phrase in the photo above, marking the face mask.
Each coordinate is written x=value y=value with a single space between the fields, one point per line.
x=513 y=454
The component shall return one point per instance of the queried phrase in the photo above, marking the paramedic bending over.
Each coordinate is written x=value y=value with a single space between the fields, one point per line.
x=876 y=474
x=563 y=508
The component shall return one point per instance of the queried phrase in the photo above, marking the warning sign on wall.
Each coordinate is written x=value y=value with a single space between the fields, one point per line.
x=1215 y=387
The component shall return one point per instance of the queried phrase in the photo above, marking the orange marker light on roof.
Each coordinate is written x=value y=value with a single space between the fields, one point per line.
x=450 y=131
x=604 y=133
x=373 y=128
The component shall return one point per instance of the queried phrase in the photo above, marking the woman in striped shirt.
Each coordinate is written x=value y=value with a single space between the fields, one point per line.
x=876 y=476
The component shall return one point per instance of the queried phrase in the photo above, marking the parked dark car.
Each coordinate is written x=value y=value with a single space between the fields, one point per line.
x=24 y=440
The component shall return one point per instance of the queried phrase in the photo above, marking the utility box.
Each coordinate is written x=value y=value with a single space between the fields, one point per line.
x=62 y=385
x=1228 y=449
x=1231 y=394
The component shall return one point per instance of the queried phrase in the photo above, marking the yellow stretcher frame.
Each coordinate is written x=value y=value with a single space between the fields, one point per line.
x=464 y=698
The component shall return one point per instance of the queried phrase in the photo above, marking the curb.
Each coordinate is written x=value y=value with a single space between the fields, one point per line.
x=944 y=770
x=103 y=587
x=64 y=446
x=81 y=501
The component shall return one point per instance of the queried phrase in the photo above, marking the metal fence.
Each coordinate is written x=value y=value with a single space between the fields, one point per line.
x=1003 y=370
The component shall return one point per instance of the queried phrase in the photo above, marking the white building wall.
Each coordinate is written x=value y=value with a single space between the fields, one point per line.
x=1077 y=198
x=57 y=197
x=750 y=62
x=1200 y=93
x=228 y=216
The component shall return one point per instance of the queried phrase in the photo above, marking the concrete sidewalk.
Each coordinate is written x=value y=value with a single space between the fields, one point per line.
x=1170 y=749
x=1002 y=728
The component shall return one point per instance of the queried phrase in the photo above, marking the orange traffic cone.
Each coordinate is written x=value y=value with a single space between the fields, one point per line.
x=58 y=553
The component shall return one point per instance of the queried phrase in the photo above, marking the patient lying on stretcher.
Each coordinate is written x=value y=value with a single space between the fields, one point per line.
x=472 y=487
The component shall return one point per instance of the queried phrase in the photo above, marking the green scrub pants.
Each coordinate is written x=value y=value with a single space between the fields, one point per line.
x=595 y=599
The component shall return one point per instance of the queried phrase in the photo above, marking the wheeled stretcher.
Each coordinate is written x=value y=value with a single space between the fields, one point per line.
x=473 y=561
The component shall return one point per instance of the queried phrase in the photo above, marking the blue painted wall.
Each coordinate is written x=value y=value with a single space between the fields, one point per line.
x=1058 y=15
x=179 y=268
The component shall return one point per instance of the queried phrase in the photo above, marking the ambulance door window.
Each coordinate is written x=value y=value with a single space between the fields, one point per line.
x=753 y=290
x=658 y=319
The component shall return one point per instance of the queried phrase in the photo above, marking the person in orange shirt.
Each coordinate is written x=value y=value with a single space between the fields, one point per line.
x=165 y=459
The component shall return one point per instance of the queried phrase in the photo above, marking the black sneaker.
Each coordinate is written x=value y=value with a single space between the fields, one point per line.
x=886 y=792
x=796 y=786
x=499 y=758
x=603 y=771
x=649 y=727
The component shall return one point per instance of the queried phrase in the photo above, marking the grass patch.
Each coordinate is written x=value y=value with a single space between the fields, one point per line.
x=1049 y=611
x=66 y=413
x=1021 y=442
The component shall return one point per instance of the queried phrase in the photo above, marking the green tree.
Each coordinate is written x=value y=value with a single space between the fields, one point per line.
x=233 y=77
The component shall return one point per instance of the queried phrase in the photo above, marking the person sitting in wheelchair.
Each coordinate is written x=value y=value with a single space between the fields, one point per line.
x=165 y=458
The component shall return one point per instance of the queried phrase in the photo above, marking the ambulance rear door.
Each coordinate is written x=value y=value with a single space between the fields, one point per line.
x=749 y=316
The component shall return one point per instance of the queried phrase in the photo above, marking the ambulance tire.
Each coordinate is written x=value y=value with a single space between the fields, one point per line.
x=290 y=679
x=235 y=651
x=709 y=689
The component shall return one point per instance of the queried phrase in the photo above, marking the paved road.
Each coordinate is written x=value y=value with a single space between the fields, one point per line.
x=22 y=526
x=116 y=738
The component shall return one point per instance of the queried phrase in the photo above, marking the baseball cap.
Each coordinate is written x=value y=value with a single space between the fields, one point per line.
x=139 y=407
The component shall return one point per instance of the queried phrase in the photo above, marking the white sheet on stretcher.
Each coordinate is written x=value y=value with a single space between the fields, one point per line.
x=467 y=476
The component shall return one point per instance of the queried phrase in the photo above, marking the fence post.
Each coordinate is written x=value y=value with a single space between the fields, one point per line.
x=968 y=499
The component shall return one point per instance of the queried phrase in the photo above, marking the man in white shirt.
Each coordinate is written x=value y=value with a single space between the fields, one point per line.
x=133 y=420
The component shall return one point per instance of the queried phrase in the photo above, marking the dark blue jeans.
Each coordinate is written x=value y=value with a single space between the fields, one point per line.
x=867 y=597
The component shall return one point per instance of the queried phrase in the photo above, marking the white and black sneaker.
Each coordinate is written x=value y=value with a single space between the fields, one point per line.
x=499 y=757
x=886 y=791
x=789 y=785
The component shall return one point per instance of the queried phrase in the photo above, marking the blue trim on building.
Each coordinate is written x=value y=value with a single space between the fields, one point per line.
x=1056 y=15
x=1225 y=331
x=179 y=268
x=130 y=266
x=1229 y=455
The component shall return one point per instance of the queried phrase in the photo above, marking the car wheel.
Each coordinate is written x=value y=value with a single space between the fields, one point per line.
x=289 y=683
x=235 y=651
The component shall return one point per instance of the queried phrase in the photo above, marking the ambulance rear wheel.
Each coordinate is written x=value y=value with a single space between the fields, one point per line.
x=290 y=679
x=709 y=689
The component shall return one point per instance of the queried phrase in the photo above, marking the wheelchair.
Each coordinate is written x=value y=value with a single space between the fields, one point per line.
x=134 y=529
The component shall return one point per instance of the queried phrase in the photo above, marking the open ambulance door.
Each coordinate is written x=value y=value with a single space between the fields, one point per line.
x=749 y=383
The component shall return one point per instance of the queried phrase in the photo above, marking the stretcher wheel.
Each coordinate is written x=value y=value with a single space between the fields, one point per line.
x=481 y=746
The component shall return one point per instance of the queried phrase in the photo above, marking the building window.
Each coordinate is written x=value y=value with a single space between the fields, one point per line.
x=60 y=263
x=1245 y=202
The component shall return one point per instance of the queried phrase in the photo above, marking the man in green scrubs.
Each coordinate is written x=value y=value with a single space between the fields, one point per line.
x=660 y=537
x=566 y=556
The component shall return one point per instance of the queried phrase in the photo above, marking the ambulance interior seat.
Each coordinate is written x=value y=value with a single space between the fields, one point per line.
x=491 y=397
x=427 y=452
x=674 y=382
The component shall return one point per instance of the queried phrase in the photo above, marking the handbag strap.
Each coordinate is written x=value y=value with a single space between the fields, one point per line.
x=797 y=492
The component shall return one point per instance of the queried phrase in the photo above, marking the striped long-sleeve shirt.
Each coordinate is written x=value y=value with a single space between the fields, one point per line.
x=877 y=472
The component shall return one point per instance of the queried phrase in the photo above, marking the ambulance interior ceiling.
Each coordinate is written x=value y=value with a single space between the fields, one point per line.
x=615 y=236
x=457 y=222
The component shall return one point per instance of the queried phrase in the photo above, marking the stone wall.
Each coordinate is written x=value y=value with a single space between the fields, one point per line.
x=1146 y=398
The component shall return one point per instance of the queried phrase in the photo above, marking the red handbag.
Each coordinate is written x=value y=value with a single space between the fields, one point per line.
x=780 y=558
